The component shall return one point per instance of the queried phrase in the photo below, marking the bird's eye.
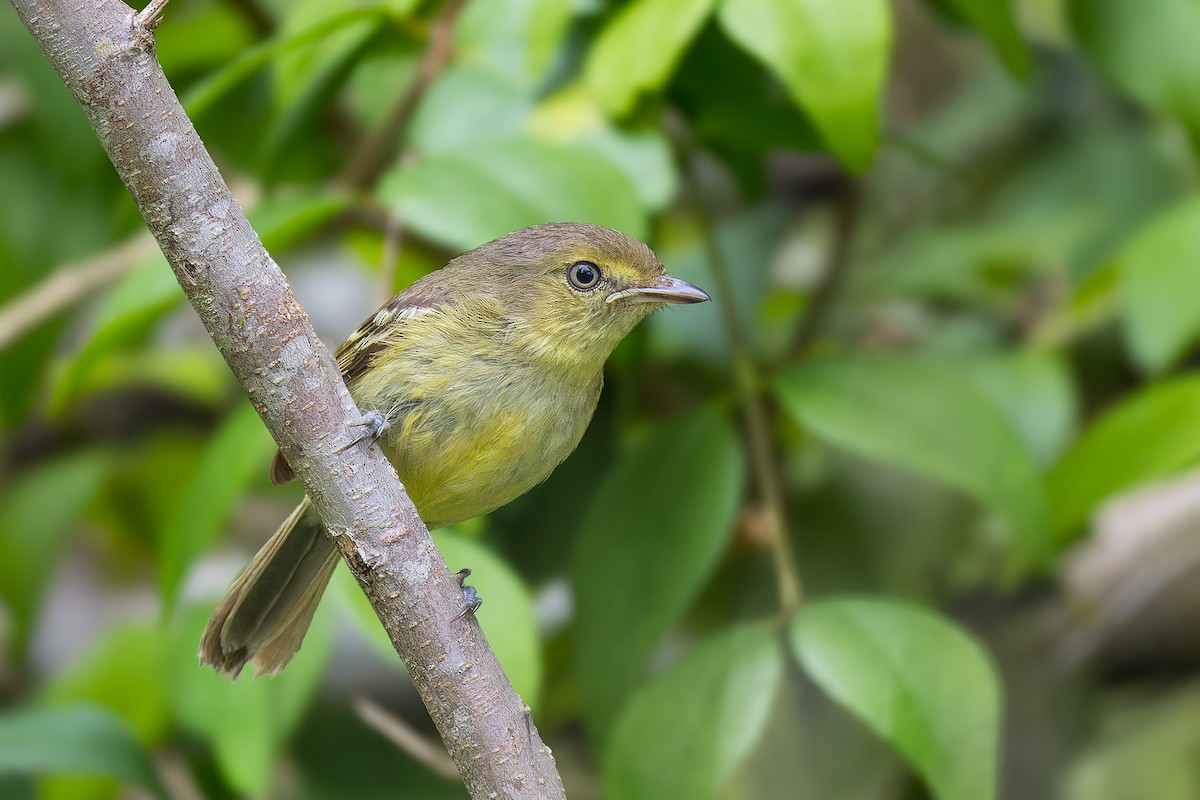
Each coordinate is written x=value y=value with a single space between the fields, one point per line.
x=584 y=275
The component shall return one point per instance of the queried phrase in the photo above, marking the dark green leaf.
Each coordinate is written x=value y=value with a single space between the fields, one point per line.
x=465 y=199
x=688 y=731
x=913 y=678
x=1147 y=49
x=1158 y=275
x=994 y=19
x=652 y=536
x=238 y=450
x=74 y=741
x=640 y=47
x=1151 y=434
x=923 y=416
x=832 y=57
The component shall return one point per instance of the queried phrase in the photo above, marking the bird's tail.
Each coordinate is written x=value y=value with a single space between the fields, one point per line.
x=268 y=609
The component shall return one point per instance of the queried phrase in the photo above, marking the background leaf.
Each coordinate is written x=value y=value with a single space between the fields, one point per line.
x=832 y=57
x=1146 y=49
x=666 y=744
x=923 y=416
x=915 y=680
x=1157 y=272
x=74 y=741
x=467 y=198
x=1152 y=434
x=642 y=557
x=994 y=19
x=640 y=47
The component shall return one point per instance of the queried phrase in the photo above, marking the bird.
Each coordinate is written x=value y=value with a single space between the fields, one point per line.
x=476 y=382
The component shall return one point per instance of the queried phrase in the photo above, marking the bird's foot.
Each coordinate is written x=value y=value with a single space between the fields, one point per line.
x=471 y=601
x=375 y=425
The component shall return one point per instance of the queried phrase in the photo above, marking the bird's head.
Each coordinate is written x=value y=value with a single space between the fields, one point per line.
x=574 y=290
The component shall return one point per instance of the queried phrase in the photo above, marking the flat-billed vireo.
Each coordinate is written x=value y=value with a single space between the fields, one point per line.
x=480 y=378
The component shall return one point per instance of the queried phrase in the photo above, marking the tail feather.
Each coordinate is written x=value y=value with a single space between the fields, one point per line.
x=267 y=611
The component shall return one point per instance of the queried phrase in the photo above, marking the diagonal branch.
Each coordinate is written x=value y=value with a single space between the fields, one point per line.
x=107 y=61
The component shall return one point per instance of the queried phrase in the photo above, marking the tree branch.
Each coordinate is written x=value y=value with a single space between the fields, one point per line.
x=107 y=61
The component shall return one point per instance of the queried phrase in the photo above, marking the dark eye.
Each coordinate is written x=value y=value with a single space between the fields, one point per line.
x=584 y=275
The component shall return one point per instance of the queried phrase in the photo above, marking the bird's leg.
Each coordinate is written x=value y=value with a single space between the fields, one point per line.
x=375 y=425
x=471 y=601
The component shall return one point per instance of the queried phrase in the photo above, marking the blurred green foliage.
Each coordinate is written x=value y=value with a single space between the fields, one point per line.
x=951 y=350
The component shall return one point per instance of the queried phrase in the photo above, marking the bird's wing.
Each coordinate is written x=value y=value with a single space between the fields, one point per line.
x=355 y=355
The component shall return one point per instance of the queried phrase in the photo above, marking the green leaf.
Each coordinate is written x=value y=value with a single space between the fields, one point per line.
x=1147 y=49
x=651 y=537
x=202 y=97
x=515 y=39
x=925 y=417
x=832 y=57
x=688 y=731
x=39 y=512
x=506 y=615
x=240 y=448
x=994 y=19
x=913 y=678
x=1151 y=434
x=247 y=722
x=1033 y=389
x=638 y=50
x=124 y=673
x=1158 y=270
x=467 y=198
x=466 y=106
x=74 y=741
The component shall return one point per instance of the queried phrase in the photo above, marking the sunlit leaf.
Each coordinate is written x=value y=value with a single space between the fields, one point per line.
x=640 y=47
x=1147 y=49
x=913 y=678
x=246 y=722
x=925 y=417
x=832 y=57
x=652 y=536
x=74 y=741
x=1158 y=271
x=688 y=731
x=994 y=19
x=506 y=615
x=39 y=512
x=239 y=449
x=1153 y=433
x=467 y=198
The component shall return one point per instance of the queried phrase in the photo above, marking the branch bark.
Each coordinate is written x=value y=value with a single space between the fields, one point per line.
x=107 y=61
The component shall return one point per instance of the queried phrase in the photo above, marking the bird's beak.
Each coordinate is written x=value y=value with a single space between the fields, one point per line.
x=664 y=290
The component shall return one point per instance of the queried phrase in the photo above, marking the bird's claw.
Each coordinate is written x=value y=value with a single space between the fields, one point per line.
x=375 y=425
x=471 y=601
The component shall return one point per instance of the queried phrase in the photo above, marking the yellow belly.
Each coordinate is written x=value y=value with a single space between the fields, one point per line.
x=471 y=447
